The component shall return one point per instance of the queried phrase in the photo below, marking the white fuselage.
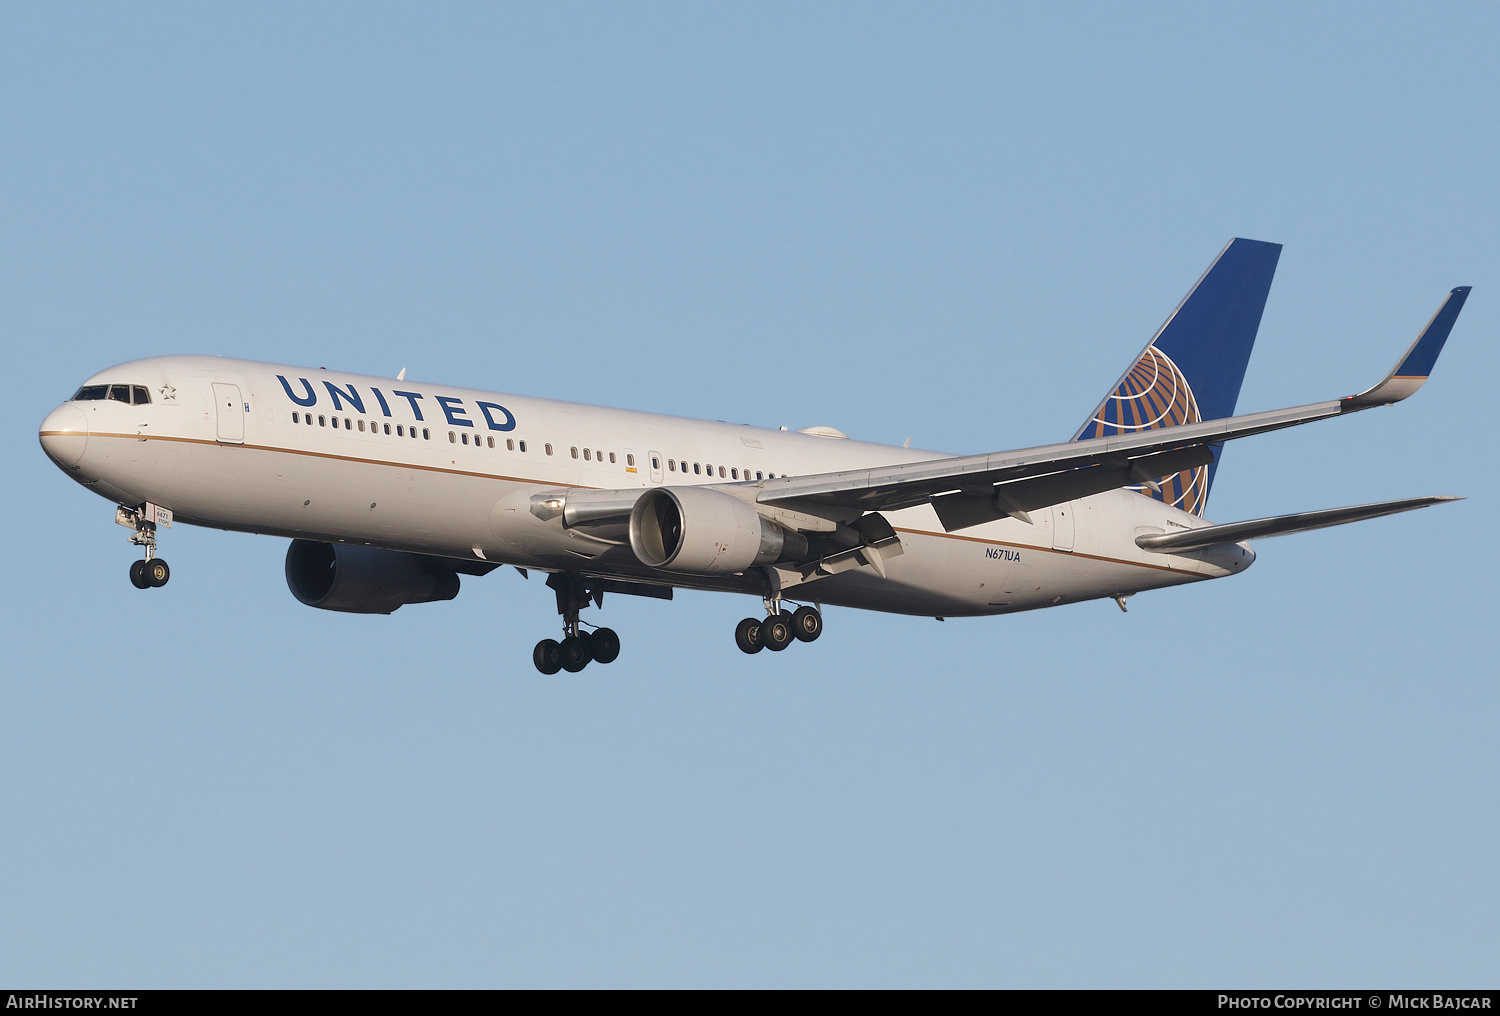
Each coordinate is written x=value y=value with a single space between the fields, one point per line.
x=225 y=443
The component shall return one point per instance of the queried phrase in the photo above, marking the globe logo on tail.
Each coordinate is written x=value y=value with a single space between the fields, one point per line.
x=1154 y=395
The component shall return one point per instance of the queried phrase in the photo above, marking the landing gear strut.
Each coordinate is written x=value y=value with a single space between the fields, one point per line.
x=153 y=571
x=578 y=647
x=778 y=629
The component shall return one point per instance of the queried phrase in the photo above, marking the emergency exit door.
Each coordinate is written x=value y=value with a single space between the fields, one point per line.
x=231 y=412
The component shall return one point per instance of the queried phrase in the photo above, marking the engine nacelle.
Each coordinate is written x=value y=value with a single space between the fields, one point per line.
x=706 y=532
x=363 y=580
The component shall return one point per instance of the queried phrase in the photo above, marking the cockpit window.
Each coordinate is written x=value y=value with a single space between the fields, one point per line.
x=138 y=395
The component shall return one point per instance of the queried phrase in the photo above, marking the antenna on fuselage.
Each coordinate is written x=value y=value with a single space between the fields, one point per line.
x=402 y=375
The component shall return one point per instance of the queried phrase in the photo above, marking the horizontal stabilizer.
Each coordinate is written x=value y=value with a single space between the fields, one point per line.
x=1281 y=525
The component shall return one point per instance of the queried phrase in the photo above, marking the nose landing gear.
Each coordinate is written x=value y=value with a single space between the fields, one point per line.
x=578 y=646
x=152 y=572
x=778 y=629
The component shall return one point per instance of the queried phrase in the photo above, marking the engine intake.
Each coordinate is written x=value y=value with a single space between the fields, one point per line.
x=364 y=580
x=706 y=532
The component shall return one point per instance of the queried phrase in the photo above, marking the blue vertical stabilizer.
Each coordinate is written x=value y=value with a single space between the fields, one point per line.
x=1191 y=370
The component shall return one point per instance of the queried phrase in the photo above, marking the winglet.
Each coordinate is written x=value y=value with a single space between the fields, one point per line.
x=1416 y=365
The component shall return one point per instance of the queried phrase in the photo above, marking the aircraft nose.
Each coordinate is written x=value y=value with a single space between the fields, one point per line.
x=64 y=433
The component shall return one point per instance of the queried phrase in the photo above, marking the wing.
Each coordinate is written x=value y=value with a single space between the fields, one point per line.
x=968 y=490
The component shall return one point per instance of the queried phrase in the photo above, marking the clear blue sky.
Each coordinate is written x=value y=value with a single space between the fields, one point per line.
x=954 y=222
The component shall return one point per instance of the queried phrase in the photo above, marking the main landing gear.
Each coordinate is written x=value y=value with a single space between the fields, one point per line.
x=153 y=571
x=778 y=628
x=578 y=647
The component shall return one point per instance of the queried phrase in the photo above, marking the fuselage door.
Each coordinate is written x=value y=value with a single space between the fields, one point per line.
x=655 y=464
x=231 y=413
x=1062 y=526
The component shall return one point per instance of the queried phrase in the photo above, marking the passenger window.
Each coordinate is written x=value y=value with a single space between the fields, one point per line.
x=734 y=474
x=548 y=448
x=361 y=426
x=522 y=446
x=399 y=431
x=142 y=397
x=348 y=423
x=510 y=444
x=322 y=421
x=629 y=459
x=575 y=452
x=491 y=441
x=721 y=472
x=296 y=418
x=120 y=393
x=426 y=434
x=91 y=393
x=758 y=476
x=655 y=462
x=387 y=428
x=672 y=465
x=586 y=456
x=695 y=468
x=452 y=439
x=307 y=419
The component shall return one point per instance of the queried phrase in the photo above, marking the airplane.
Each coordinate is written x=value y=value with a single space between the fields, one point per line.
x=390 y=490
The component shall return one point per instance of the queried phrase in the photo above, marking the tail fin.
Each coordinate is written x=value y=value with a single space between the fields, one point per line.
x=1192 y=368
